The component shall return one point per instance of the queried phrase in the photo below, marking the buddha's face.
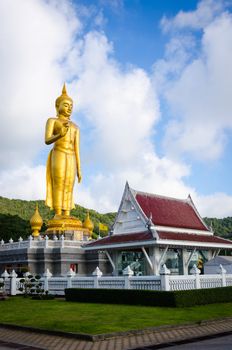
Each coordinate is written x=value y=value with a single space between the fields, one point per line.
x=65 y=108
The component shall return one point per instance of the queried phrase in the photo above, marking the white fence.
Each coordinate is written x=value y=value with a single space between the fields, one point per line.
x=164 y=281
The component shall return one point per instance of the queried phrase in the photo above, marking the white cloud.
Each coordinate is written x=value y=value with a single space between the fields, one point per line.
x=215 y=205
x=35 y=37
x=205 y=13
x=199 y=95
x=150 y=174
x=24 y=182
x=115 y=5
x=119 y=106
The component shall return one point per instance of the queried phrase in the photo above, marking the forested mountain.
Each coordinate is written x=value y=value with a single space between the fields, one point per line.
x=221 y=227
x=15 y=215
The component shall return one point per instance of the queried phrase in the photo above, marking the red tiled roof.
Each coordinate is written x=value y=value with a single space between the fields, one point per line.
x=192 y=238
x=122 y=238
x=169 y=211
x=147 y=236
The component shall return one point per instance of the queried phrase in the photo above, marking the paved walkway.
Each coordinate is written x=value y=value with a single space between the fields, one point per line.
x=156 y=337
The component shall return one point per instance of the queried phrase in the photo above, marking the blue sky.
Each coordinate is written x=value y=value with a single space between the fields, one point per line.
x=151 y=83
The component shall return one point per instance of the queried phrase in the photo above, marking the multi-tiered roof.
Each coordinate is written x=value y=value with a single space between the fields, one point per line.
x=148 y=219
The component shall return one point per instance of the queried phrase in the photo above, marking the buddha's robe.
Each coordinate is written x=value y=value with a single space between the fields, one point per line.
x=63 y=164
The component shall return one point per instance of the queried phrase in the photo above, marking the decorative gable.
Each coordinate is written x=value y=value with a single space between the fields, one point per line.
x=130 y=218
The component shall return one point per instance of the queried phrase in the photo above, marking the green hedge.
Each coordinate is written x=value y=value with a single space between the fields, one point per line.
x=203 y=296
x=150 y=298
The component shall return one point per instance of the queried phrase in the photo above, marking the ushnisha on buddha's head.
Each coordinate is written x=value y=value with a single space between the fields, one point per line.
x=64 y=104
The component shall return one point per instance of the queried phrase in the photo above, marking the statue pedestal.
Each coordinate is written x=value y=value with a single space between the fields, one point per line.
x=68 y=226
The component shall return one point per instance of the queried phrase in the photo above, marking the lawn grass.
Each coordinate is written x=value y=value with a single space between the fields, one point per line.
x=101 y=318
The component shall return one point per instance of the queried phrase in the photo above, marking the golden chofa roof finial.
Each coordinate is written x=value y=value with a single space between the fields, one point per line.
x=36 y=222
x=63 y=96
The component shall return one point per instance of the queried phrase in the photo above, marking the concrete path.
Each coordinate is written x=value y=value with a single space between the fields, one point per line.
x=156 y=337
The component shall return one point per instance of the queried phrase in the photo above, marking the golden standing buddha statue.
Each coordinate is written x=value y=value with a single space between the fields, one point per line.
x=63 y=165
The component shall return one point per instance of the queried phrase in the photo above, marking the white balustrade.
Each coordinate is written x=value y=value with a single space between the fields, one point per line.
x=210 y=281
x=111 y=282
x=57 y=285
x=83 y=282
x=182 y=282
x=39 y=243
x=164 y=281
x=228 y=280
x=145 y=283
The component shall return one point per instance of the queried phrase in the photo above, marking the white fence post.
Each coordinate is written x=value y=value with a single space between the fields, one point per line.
x=30 y=239
x=165 y=279
x=222 y=271
x=196 y=272
x=70 y=275
x=96 y=275
x=62 y=241
x=13 y=277
x=127 y=273
x=47 y=274
x=5 y=275
x=46 y=241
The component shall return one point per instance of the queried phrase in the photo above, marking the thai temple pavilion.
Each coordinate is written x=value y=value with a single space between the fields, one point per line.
x=151 y=230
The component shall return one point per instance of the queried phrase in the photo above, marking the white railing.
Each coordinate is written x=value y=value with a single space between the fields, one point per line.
x=57 y=285
x=145 y=283
x=210 y=281
x=182 y=282
x=82 y=282
x=40 y=243
x=164 y=281
x=111 y=283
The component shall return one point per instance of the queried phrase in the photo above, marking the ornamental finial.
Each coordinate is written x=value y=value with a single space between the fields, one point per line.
x=63 y=96
x=36 y=222
x=64 y=92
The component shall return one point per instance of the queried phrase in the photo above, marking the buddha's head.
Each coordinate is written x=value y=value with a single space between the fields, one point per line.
x=64 y=104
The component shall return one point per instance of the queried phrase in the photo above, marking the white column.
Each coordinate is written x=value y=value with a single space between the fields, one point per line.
x=195 y=271
x=127 y=273
x=164 y=274
x=162 y=257
x=96 y=274
x=13 y=288
x=148 y=260
x=70 y=275
x=47 y=274
x=111 y=261
x=185 y=256
x=155 y=257
x=222 y=271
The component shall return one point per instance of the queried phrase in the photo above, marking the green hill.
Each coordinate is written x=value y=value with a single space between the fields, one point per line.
x=15 y=215
x=221 y=227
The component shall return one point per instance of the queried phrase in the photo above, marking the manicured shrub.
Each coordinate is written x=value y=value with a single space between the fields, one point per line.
x=203 y=296
x=150 y=298
x=120 y=296
x=30 y=285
